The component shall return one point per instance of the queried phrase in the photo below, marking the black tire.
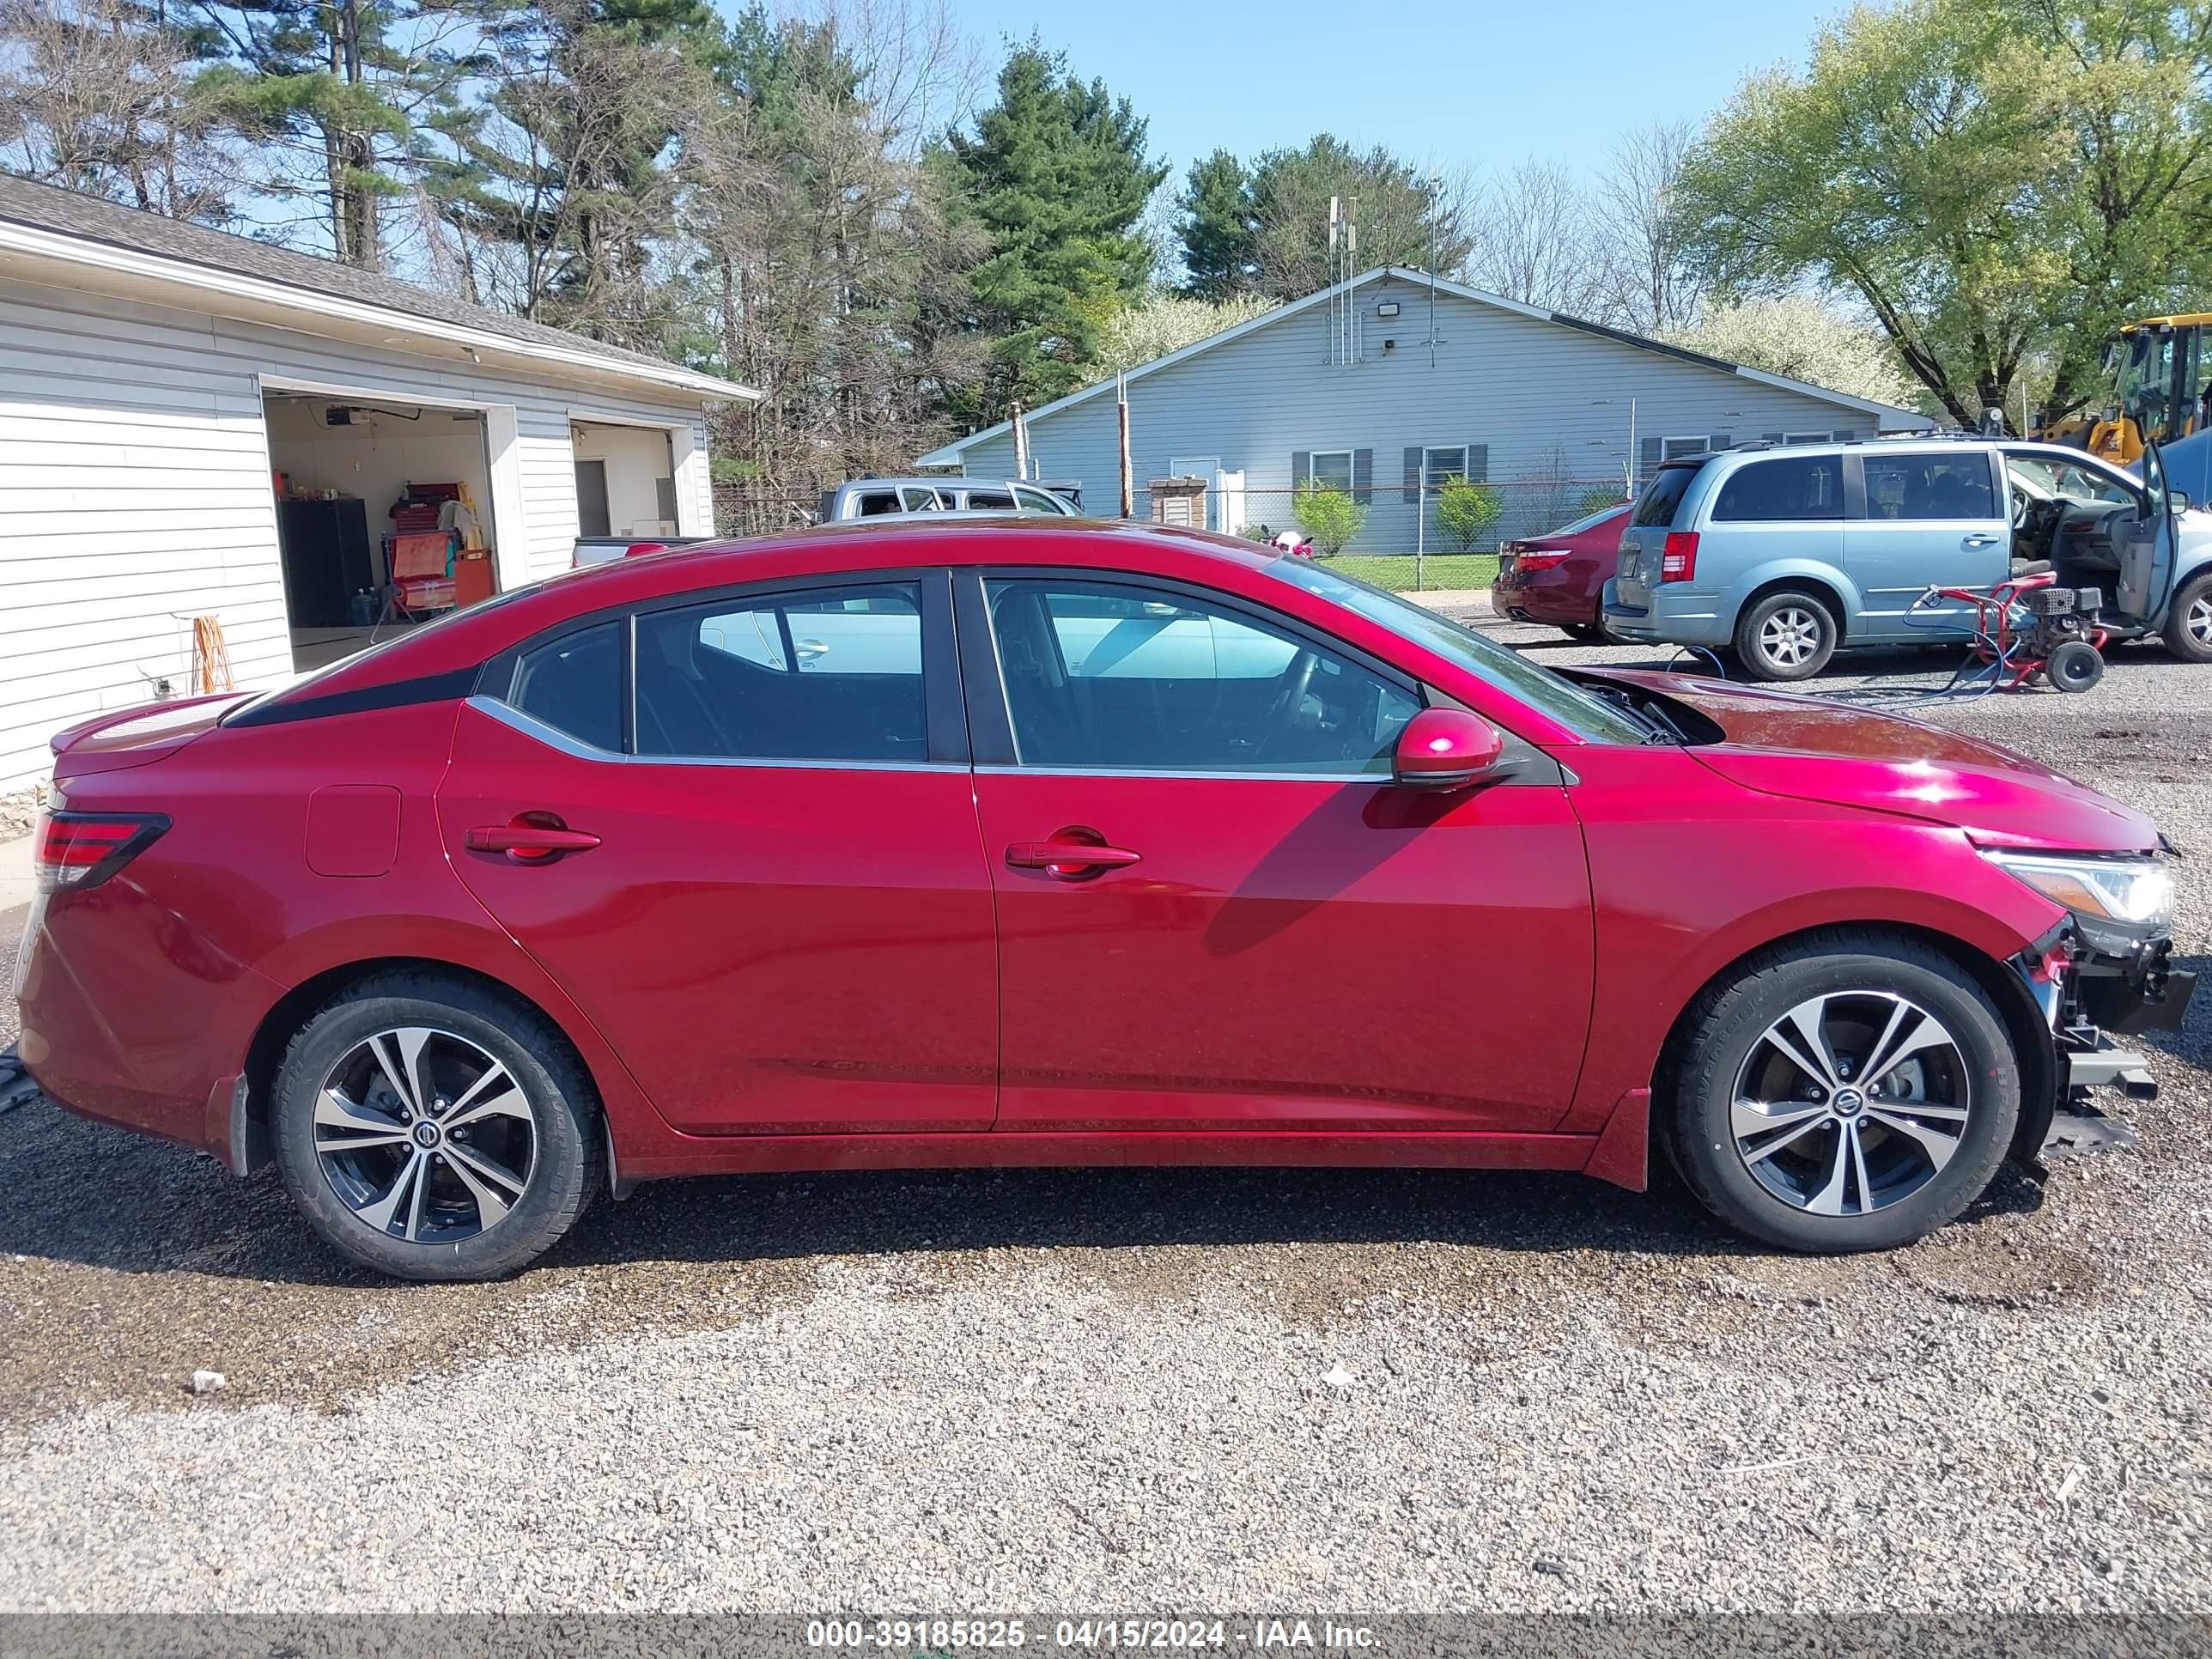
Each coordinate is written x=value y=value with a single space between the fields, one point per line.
x=1584 y=633
x=1787 y=635
x=565 y=1167
x=1726 y=1042
x=2188 y=620
x=2076 y=665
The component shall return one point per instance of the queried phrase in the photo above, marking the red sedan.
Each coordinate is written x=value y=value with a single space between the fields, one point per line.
x=1559 y=578
x=1018 y=843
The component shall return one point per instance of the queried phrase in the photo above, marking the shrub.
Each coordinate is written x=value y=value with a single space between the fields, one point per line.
x=1465 y=510
x=1256 y=533
x=1329 y=516
x=1597 y=499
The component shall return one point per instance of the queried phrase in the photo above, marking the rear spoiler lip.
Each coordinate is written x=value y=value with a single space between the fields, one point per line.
x=69 y=736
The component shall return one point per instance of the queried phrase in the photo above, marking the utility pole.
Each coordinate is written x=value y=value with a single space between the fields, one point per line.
x=1121 y=418
x=1021 y=444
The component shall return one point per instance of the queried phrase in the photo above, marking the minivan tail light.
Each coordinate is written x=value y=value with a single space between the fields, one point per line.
x=77 y=850
x=1678 y=557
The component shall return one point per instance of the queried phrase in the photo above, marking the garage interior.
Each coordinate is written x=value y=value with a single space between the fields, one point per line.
x=383 y=517
x=625 y=480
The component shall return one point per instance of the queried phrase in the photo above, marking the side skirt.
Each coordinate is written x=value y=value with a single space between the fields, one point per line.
x=990 y=1149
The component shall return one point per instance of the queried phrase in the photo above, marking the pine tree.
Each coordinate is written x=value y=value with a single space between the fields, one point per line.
x=1056 y=176
x=1218 y=233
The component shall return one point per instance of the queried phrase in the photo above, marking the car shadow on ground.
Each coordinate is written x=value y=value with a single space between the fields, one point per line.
x=79 y=1191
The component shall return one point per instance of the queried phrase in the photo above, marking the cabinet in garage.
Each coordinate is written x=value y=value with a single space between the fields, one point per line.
x=327 y=559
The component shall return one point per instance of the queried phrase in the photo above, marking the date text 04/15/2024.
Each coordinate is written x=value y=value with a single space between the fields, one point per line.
x=947 y=1635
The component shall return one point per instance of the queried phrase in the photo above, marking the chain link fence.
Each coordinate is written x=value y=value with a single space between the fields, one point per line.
x=1397 y=537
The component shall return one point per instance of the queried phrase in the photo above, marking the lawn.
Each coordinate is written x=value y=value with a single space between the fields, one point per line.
x=1395 y=570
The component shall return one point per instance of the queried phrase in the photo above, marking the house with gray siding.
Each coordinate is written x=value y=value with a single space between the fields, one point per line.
x=1387 y=384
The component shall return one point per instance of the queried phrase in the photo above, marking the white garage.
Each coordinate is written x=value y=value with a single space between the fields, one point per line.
x=221 y=458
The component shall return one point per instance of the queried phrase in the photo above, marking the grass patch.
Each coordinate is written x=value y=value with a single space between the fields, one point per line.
x=1395 y=570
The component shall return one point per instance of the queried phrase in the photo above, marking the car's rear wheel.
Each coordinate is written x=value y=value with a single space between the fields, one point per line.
x=2188 y=620
x=432 y=1129
x=1584 y=633
x=1786 y=635
x=1848 y=1092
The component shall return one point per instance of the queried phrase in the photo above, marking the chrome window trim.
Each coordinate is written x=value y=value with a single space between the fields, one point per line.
x=553 y=737
x=1384 y=778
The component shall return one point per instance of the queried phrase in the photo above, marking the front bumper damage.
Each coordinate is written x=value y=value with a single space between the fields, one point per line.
x=2092 y=998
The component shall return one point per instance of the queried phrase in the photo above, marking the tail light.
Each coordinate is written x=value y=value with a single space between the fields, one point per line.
x=77 y=850
x=1678 y=557
x=1542 y=558
x=635 y=549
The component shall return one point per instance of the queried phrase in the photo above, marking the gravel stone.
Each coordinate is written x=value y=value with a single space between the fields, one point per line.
x=1117 y=1390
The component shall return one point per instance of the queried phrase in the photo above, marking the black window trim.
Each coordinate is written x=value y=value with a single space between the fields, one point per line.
x=943 y=717
x=991 y=724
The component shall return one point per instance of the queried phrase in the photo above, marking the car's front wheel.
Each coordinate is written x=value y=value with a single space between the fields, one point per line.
x=1851 y=1091
x=433 y=1129
x=2188 y=620
x=1789 y=635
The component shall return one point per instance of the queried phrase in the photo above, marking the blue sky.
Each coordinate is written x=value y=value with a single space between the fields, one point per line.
x=1484 y=82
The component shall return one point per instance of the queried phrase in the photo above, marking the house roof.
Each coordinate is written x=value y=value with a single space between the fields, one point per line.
x=43 y=220
x=1892 y=418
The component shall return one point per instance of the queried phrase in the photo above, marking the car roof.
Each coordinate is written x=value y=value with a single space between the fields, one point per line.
x=850 y=547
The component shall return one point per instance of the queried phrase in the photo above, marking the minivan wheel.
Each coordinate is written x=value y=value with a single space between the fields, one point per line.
x=2188 y=620
x=1849 y=1092
x=431 y=1128
x=1789 y=635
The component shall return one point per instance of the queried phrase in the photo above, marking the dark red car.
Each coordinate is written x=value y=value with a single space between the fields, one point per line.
x=1018 y=843
x=1559 y=578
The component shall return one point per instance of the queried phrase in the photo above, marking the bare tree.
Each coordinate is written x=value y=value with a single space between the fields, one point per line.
x=834 y=278
x=1652 y=283
x=1534 y=242
x=97 y=95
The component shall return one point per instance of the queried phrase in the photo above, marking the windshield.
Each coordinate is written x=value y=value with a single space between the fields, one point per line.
x=1588 y=716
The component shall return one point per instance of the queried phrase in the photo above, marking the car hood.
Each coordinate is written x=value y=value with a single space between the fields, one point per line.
x=1783 y=743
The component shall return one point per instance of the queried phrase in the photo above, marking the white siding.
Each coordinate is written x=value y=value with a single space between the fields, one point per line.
x=135 y=490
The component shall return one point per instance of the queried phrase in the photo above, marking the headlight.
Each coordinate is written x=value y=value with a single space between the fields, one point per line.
x=2118 y=899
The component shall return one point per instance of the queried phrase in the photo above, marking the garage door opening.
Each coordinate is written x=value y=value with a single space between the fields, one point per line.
x=383 y=517
x=625 y=480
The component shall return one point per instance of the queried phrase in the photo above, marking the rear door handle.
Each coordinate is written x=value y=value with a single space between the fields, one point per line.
x=1069 y=861
x=529 y=842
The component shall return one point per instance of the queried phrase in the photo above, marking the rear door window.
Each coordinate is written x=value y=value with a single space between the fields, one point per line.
x=1783 y=491
x=1655 y=509
x=826 y=675
x=1953 y=485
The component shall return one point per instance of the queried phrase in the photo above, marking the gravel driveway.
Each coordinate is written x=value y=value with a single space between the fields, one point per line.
x=1126 y=1389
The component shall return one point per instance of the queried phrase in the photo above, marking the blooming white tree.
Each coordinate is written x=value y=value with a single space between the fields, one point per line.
x=1796 y=335
x=1161 y=323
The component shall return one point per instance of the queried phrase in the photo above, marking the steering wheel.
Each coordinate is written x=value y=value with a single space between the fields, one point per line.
x=1296 y=681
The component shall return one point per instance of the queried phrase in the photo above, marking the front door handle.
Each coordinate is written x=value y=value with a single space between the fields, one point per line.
x=529 y=843
x=1069 y=861
x=1980 y=541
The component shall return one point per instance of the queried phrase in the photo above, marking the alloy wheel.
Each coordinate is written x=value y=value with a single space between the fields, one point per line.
x=1850 y=1101
x=1790 y=637
x=424 y=1135
x=2198 y=620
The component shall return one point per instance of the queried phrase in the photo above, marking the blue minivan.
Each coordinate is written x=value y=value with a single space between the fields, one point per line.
x=1780 y=554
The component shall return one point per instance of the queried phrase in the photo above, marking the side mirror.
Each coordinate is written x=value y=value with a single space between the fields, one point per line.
x=1445 y=748
x=2180 y=500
